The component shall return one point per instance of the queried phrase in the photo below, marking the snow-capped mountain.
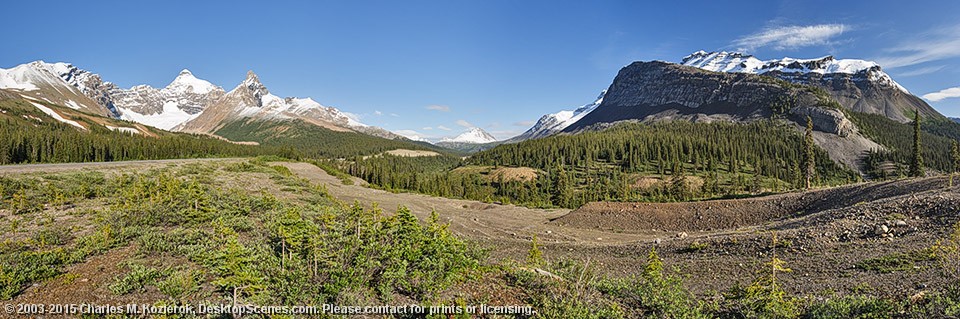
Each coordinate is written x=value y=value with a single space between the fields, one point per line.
x=475 y=135
x=252 y=100
x=858 y=85
x=180 y=101
x=744 y=63
x=185 y=99
x=58 y=83
x=552 y=123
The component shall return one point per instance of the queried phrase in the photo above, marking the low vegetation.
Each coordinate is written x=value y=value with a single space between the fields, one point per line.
x=197 y=242
x=191 y=239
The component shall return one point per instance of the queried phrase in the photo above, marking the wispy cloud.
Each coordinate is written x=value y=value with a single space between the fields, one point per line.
x=394 y=114
x=440 y=108
x=791 y=37
x=377 y=113
x=933 y=45
x=441 y=127
x=464 y=123
x=943 y=94
x=426 y=128
x=921 y=71
x=524 y=123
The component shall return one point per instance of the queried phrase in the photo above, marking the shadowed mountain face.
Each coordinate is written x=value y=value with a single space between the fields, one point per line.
x=649 y=91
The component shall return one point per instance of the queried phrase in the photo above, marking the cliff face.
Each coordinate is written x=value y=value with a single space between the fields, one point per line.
x=649 y=91
x=858 y=85
x=656 y=91
x=865 y=92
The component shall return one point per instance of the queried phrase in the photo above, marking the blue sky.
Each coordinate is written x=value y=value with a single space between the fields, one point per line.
x=434 y=68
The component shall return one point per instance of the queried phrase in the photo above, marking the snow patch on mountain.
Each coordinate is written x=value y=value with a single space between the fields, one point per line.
x=475 y=135
x=56 y=116
x=552 y=123
x=167 y=119
x=736 y=62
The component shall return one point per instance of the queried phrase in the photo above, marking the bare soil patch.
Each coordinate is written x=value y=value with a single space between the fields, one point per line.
x=507 y=174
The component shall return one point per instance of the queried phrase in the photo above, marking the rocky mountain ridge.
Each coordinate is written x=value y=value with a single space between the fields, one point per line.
x=655 y=91
x=553 y=123
x=186 y=104
x=858 y=85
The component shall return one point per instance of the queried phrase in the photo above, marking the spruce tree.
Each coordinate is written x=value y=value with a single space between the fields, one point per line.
x=955 y=157
x=809 y=164
x=916 y=164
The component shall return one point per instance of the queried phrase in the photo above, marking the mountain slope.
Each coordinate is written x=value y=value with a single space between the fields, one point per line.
x=57 y=83
x=654 y=91
x=858 y=85
x=184 y=100
x=180 y=101
x=311 y=140
x=35 y=131
x=553 y=123
x=251 y=100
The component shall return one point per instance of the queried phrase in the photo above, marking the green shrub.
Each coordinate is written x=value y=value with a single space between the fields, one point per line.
x=654 y=293
x=854 y=307
x=136 y=280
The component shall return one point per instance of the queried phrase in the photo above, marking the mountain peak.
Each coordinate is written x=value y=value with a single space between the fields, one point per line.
x=185 y=82
x=252 y=83
x=251 y=77
x=474 y=135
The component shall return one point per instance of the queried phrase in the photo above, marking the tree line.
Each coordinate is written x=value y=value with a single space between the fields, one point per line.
x=684 y=160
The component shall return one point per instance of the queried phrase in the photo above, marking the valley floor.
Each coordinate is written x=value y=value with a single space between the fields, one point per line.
x=822 y=234
x=873 y=238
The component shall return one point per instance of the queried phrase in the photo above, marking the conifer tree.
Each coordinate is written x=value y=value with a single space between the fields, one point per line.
x=809 y=165
x=916 y=164
x=955 y=156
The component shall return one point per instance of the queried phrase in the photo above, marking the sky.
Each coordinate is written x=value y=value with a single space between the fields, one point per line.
x=433 y=69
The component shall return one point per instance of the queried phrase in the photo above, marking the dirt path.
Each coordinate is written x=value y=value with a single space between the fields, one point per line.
x=471 y=219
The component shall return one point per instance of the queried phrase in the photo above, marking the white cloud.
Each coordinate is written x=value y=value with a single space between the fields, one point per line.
x=525 y=123
x=922 y=71
x=394 y=115
x=934 y=45
x=377 y=113
x=464 y=123
x=791 y=37
x=426 y=128
x=440 y=108
x=441 y=127
x=943 y=94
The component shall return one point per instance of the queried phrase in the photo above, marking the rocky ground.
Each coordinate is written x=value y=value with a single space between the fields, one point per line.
x=865 y=238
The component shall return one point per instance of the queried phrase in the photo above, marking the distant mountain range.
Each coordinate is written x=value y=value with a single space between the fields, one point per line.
x=187 y=104
x=703 y=86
